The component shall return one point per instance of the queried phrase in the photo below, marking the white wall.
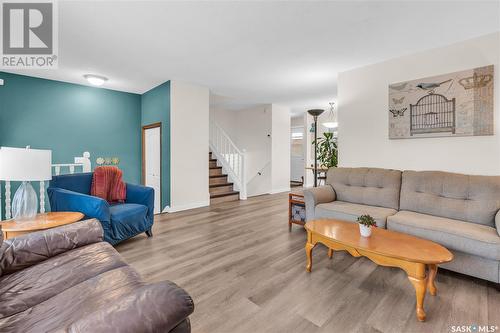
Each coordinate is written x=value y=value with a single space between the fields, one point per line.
x=297 y=121
x=189 y=116
x=280 y=149
x=226 y=119
x=253 y=134
x=363 y=113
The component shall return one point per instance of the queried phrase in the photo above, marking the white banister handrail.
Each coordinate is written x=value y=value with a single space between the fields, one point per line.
x=81 y=161
x=228 y=138
x=232 y=158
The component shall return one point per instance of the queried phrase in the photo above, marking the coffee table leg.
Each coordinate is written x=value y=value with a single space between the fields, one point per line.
x=419 y=282
x=330 y=253
x=309 y=248
x=432 y=276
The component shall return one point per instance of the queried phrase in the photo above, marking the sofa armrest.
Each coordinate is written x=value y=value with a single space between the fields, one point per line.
x=142 y=195
x=158 y=307
x=316 y=195
x=20 y=252
x=62 y=200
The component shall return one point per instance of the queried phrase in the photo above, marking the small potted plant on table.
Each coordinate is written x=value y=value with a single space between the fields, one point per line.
x=366 y=222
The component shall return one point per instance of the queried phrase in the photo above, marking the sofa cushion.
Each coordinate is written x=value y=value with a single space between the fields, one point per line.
x=127 y=213
x=60 y=311
x=76 y=182
x=347 y=211
x=158 y=307
x=461 y=197
x=367 y=186
x=480 y=267
x=35 y=284
x=472 y=238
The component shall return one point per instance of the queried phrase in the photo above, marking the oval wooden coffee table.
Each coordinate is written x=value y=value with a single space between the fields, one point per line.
x=384 y=247
x=14 y=228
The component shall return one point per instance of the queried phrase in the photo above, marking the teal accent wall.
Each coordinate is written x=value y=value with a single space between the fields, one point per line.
x=155 y=107
x=70 y=119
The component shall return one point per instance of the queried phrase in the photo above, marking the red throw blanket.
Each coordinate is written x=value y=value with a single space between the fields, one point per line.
x=107 y=184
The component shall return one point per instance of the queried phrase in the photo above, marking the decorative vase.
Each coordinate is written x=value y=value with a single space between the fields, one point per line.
x=25 y=202
x=364 y=230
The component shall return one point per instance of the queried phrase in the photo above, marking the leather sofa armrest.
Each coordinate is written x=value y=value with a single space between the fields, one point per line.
x=316 y=195
x=158 y=307
x=20 y=252
x=497 y=222
x=183 y=327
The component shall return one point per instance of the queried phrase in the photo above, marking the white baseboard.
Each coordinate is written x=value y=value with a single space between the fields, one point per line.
x=179 y=208
x=280 y=190
x=256 y=194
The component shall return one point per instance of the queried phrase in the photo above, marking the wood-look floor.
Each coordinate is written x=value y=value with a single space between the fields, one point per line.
x=246 y=273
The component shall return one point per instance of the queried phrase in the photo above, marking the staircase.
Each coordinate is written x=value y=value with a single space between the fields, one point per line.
x=220 y=189
x=225 y=155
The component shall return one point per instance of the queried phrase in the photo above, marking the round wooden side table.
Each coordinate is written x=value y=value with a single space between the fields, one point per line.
x=14 y=228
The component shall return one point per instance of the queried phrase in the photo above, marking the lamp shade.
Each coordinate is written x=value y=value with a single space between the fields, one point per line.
x=315 y=112
x=24 y=164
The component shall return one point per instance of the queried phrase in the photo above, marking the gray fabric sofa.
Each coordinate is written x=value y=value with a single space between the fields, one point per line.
x=67 y=279
x=351 y=192
x=458 y=211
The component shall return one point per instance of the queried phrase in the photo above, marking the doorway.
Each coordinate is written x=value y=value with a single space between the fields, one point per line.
x=297 y=156
x=151 y=161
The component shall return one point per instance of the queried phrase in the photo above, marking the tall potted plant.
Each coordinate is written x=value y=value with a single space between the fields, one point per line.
x=327 y=150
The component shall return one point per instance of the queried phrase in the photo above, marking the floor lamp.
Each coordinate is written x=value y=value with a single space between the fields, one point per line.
x=315 y=113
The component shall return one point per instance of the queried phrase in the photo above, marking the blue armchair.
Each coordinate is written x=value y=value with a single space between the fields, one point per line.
x=119 y=221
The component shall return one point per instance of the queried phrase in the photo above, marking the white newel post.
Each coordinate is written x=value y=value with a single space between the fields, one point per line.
x=243 y=193
x=42 y=197
x=7 y=200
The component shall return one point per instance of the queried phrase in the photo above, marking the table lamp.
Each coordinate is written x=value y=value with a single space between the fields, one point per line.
x=24 y=165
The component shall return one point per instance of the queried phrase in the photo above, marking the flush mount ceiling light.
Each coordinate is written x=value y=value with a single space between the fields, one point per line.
x=331 y=122
x=95 y=80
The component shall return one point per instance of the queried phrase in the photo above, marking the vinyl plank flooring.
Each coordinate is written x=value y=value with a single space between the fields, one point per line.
x=246 y=273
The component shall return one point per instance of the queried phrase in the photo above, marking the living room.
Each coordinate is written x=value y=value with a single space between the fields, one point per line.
x=145 y=166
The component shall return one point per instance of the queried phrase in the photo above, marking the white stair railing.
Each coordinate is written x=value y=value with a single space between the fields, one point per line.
x=230 y=156
x=82 y=162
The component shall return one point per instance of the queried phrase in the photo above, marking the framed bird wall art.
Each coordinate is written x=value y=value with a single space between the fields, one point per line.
x=455 y=104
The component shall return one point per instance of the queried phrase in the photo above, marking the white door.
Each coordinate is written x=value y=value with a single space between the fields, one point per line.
x=297 y=154
x=152 y=159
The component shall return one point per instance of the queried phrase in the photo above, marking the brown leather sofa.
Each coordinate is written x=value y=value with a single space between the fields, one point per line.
x=67 y=279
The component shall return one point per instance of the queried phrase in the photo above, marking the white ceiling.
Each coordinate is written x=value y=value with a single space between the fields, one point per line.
x=253 y=52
